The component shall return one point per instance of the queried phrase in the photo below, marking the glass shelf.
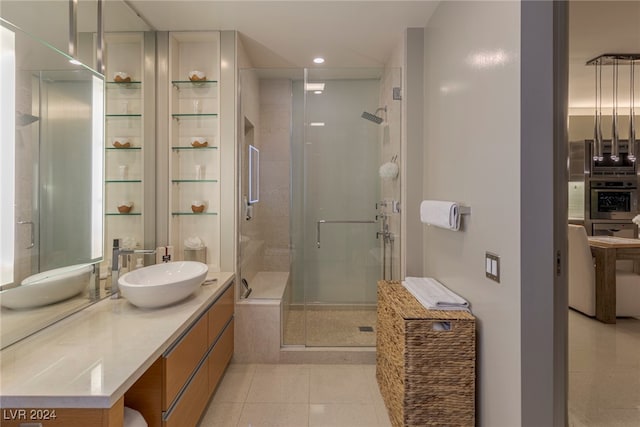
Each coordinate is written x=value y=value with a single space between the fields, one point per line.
x=122 y=115
x=122 y=181
x=181 y=84
x=192 y=115
x=178 y=181
x=123 y=148
x=124 y=85
x=193 y=214
x=195 y=148
x=123 y=214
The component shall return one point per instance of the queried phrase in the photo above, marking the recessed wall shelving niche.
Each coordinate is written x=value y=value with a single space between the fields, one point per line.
x=125 y=140
x=195 y=150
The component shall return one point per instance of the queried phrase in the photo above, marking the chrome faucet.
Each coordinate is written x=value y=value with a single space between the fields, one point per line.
x=116 y=265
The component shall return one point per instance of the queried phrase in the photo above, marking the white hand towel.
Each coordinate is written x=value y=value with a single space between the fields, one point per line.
x=434 y=295
x=441 y=214
x=193 y=243
x=133 y=418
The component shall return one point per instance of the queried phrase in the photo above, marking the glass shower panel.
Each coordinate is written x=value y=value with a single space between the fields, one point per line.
x=65 y=201
x=342 y=256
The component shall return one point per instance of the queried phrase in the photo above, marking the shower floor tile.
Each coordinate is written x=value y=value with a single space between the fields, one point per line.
x=331 y=328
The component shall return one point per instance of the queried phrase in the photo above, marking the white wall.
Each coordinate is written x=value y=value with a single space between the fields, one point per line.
x=412 y=151
x=472 y=156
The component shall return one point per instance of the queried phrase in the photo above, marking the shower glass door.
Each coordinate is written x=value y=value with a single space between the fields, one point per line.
x=335 y=188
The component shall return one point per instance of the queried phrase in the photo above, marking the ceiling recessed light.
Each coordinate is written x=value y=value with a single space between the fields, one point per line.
x=318 y=60
x=316 y=124
x=314 y=86
x=317 y=92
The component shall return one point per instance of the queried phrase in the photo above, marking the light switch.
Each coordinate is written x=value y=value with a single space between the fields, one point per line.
x=492 y=266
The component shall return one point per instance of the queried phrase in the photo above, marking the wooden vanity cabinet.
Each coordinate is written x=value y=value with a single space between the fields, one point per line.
x=175 y=390
x=219 y=358
x=180 y=362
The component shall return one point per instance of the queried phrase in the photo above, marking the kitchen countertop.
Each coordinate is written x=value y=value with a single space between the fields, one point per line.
x=90 y=359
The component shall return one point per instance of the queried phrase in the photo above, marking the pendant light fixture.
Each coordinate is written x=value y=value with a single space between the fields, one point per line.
x=597 y=127
x=614 y=60
x=615 y=137
x=632 y=112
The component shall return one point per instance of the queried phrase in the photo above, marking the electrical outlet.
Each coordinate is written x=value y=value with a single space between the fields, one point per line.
x=492 y=266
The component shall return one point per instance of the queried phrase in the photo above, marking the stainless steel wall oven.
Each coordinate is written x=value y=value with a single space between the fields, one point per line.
x=614 y=199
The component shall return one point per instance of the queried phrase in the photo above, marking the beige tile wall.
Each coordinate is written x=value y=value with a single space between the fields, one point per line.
x=275 y=158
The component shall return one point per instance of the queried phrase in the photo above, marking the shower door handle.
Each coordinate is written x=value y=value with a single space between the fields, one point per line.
x=33 y=240
x=324 y=221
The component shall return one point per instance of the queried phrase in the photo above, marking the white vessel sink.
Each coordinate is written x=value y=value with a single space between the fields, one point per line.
x=162 y=284
x=48 y=287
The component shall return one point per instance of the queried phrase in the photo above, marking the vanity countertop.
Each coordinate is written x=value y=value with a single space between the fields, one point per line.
x=91 y=358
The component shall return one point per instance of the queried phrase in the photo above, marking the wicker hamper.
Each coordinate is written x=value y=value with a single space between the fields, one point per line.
x=425 y=361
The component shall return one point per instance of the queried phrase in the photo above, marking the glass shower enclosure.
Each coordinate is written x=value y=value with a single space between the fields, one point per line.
x=338 y=125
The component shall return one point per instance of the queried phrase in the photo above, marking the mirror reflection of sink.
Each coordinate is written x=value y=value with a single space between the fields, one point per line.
x=48 y=287
x=162 y=284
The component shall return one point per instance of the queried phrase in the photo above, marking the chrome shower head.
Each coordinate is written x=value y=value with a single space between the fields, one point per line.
x=374 y=117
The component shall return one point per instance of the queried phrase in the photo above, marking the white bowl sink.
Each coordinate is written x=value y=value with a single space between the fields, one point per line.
x=48 y=287
x=162 y=284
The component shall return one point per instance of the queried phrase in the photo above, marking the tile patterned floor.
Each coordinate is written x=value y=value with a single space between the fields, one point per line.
x=604 y=386
x=255 y=395
x=604 y=372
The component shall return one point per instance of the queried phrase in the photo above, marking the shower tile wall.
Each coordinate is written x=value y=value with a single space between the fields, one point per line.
x=275 y=156
x=26 y=149
x=390 y=146
x=251 y=251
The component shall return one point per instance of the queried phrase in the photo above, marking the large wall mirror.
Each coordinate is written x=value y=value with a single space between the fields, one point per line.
x=52 y=177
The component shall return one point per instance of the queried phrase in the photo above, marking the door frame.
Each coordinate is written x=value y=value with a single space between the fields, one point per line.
x=544 y=140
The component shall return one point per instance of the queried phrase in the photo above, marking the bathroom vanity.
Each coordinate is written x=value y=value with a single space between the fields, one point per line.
x=164 y=363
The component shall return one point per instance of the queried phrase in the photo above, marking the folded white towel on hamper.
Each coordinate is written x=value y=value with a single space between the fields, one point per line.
x=133 y=418
x=441 y=214
x=433 y=295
